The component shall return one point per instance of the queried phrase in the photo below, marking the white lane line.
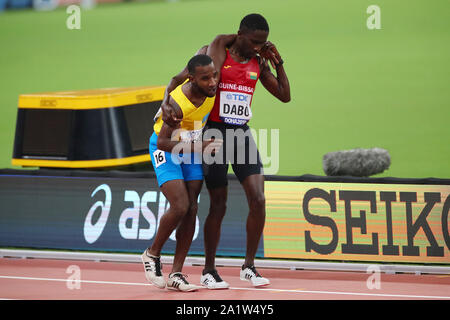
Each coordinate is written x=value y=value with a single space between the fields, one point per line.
x=245 y=289
x=81 y=281
x=348 y=293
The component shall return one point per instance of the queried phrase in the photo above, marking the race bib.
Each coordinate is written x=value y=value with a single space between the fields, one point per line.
x=235 y=107
x=160 y=158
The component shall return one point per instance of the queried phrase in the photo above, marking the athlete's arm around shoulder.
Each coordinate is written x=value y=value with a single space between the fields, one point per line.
x=181 y=77
x=168 y=114
x=217 y=48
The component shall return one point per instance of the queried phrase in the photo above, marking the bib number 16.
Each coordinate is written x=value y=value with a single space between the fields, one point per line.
x=160 y=157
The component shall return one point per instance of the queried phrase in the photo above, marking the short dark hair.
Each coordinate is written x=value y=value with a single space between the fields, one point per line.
x=253 y=22
x=198 y=60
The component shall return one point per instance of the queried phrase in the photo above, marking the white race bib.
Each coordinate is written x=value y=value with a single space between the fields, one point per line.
x=235 y=107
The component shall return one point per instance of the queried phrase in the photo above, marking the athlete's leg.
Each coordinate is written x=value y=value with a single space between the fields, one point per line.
x=186 y=229
x=254 y=190
x=211 y=233
x=250 y=175
x=176 y=193
x=184 y=234
x=216 y=181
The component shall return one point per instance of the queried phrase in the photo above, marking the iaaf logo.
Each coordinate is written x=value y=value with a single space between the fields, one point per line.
x=128 y=223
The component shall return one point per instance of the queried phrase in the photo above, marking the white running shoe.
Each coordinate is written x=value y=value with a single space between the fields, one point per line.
x=153 y=267
x=177 y=281
x=212 y=280
x=250 y=274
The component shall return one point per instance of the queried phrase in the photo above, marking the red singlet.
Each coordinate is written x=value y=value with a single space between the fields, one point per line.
x=235 y=91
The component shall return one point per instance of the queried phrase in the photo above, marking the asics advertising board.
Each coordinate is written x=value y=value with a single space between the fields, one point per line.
x=104 y=214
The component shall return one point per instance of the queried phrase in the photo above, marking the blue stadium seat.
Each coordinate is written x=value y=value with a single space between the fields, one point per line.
x=18 y=4
x=3 y=5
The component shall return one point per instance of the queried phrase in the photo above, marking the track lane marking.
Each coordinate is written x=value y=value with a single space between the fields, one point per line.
x=244 y=289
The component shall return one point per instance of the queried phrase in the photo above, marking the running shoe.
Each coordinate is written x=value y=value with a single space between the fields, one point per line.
x=212 y=280
x=250 y=274
x=153 y=267
x=177 y=281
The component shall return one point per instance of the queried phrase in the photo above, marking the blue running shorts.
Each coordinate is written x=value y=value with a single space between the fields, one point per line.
x=169 y=166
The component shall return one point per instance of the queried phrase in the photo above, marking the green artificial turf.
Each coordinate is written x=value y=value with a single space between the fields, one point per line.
x=351 y=87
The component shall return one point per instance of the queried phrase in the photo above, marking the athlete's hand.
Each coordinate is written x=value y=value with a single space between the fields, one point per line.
x=212 y=146
x=169 y=115
x=270 y=52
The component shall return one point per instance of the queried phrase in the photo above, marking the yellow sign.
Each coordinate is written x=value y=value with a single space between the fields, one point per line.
x=357 y=222
x=91 y=99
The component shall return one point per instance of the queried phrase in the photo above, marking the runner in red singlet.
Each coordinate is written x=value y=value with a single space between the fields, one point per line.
x=235 y=90
x=243 y=59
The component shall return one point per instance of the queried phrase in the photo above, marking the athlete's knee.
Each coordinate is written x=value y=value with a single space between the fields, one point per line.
x=218 y=202
x=218 y=207
x=257 y=204
x=193 y=208
x=180 y=208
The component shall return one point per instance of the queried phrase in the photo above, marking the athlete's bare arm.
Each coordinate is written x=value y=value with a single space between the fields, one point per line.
x=216 y=49
x=165 y=141
x=277 y=85
x=168 y=114
x=179 y=78
x=168 y=138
